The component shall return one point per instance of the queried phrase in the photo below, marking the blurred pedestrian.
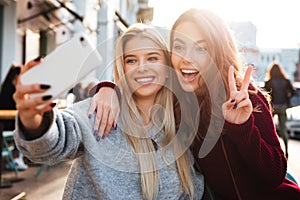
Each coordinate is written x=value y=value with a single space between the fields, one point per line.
x=281 y=90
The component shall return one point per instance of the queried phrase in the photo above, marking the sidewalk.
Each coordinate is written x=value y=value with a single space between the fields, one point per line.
x=50 y=183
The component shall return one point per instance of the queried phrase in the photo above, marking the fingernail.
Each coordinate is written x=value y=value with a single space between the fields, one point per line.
x=235 y=106
x=103 y=136
x=116 y=126
x=47 y=97
x=44 y=86
x=232 y=100
x=18 y=70
x=53 y=105
x=89 y=116
x=95 y=132
x=98 y=138
x=38 y=58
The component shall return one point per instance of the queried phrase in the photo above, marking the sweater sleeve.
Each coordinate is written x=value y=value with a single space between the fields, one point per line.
x=62 y=141
x=258 y=143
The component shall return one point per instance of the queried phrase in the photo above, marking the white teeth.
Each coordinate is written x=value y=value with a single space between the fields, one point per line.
x=189 y=71
x=143 y=80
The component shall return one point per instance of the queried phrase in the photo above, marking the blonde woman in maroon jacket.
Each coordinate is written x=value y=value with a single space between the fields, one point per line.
x=236 y=148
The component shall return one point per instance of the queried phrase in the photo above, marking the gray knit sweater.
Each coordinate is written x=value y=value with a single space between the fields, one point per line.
x=101 y=170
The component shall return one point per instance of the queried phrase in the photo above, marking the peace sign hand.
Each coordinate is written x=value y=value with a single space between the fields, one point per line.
x=238 y=108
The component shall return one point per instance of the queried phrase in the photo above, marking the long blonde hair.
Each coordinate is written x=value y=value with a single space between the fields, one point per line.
x=135 y=131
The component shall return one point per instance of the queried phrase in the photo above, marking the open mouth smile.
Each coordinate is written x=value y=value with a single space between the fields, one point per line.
x=189 y=74
x=145 y=80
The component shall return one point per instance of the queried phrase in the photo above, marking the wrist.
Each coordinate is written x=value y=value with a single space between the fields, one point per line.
x=31 y=133
x=109 y=84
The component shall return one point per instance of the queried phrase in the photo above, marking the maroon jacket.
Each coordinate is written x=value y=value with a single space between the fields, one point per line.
x=257 y=161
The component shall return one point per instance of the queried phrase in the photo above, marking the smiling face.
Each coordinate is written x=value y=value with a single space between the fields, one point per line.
x=189 y=56
x=144 y=66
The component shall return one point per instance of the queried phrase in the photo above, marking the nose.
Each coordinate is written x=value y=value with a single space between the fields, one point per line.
x=142 y=65
x=187 y=56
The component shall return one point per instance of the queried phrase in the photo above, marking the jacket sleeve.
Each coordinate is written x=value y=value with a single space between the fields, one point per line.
x=62 y=141
x=258 y=143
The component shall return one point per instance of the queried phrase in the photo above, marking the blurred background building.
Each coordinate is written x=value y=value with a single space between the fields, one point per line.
x=245 y=33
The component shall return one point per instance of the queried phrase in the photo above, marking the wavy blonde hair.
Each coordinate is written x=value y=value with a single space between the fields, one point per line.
x=135 y=132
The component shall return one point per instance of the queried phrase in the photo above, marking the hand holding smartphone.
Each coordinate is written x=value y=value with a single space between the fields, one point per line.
x=64 y=67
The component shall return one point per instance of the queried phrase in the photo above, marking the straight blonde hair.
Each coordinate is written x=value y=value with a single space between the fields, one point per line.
x=136 y=133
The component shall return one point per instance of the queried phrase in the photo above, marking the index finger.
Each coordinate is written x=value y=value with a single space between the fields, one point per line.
x=247 y=77
x=231 y=79
x=32 y=63
x=92 y=108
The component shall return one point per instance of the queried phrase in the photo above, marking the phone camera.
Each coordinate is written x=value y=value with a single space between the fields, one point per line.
x=82 y=40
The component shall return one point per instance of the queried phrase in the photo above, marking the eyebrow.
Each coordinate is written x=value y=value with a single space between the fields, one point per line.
x=148 y=54
x=181 y=41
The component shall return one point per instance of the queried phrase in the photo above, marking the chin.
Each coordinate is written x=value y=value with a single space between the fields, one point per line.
x=188 y=87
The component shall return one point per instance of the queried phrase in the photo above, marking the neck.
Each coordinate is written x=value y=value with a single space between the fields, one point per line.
x=145 y=105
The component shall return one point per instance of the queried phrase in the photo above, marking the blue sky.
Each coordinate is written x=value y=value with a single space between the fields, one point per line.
x=277 y=21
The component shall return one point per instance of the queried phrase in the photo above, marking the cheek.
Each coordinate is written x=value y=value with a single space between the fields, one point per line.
x=127 y=69
x=130 y=83
x=202 y=63
x=161 y=72
x=175 y=60
x=128 y=76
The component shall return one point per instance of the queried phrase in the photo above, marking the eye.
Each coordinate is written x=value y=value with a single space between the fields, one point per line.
x=178 y=47
x=201 y=50
x=152 y=59
x=130 y=61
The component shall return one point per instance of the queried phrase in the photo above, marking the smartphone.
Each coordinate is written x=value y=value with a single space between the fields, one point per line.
x=64 y=67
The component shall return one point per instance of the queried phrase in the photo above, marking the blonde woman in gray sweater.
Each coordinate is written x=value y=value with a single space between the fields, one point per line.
x=142 y=158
